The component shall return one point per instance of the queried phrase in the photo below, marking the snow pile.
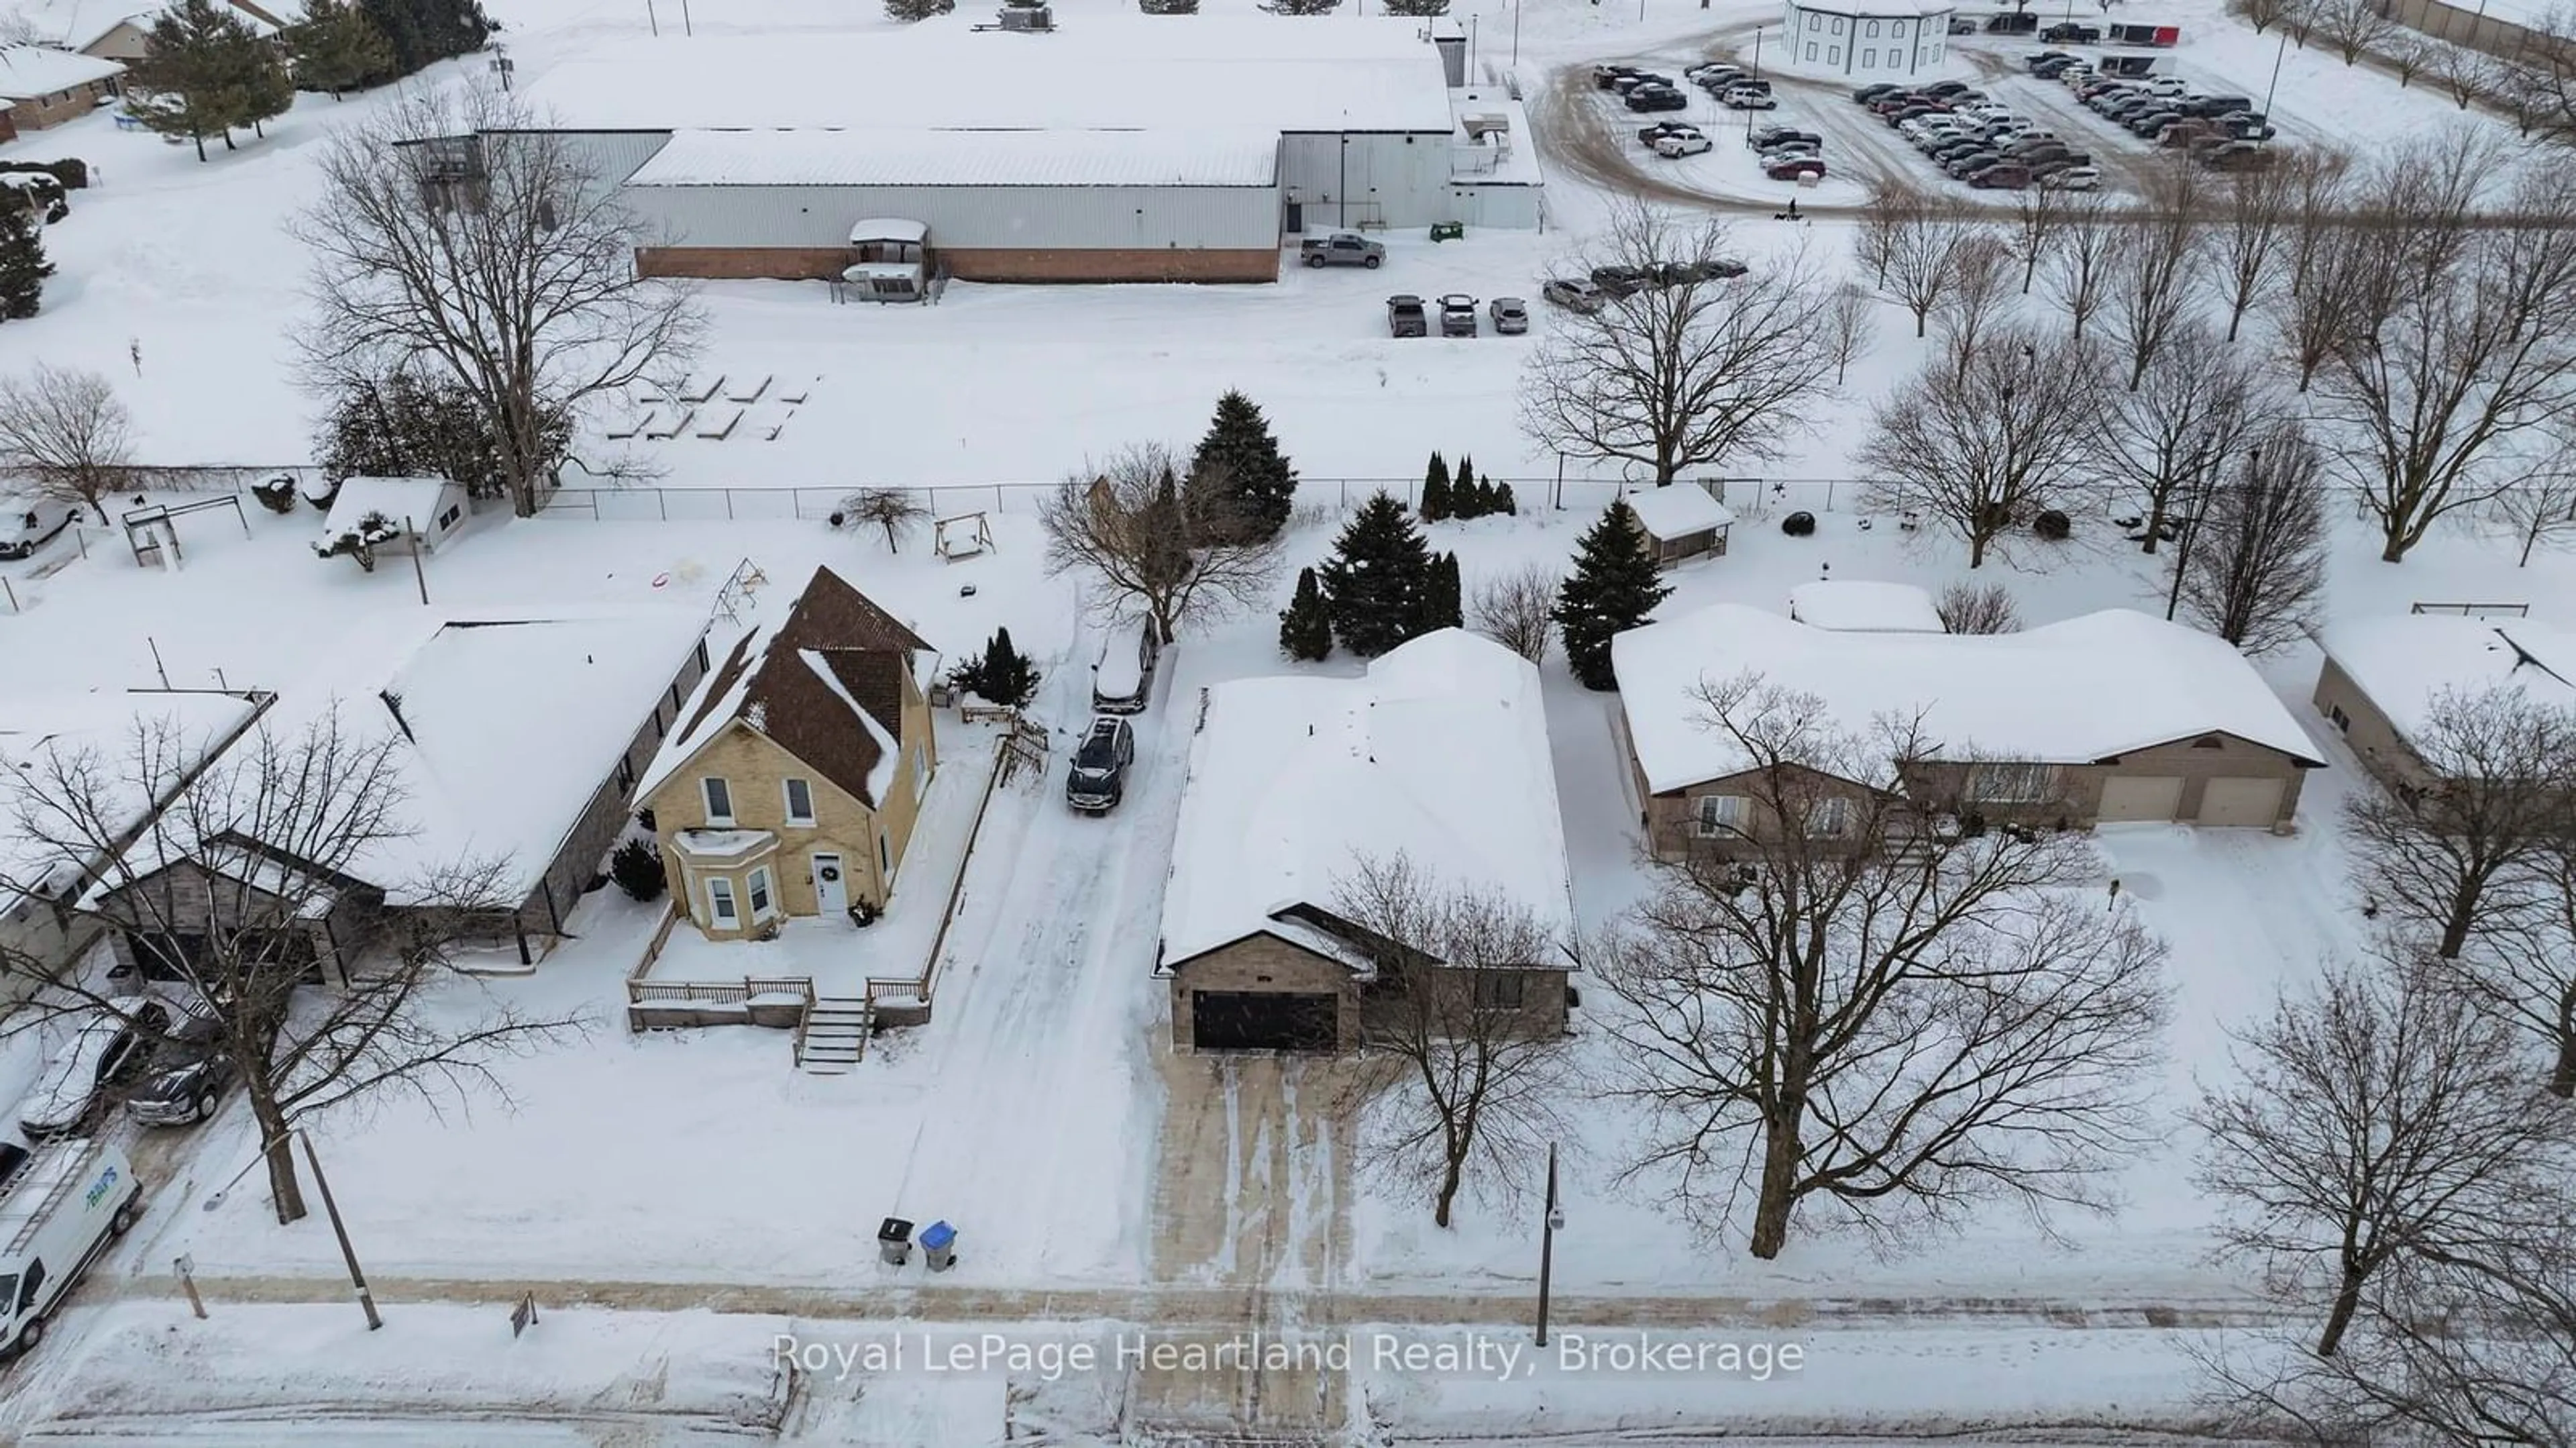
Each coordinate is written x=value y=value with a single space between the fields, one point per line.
x=2074 y=692
x=1439 y=752
x=1857 y=605
x=2406 y=661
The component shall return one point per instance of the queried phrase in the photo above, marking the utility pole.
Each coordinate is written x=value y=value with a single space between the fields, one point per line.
x=340 y=1229
x=2283 y=54
x=419 y=573
x=1516 y=32
x=1547 y=1243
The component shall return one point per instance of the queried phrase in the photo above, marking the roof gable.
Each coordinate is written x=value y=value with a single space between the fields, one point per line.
x=825 y=684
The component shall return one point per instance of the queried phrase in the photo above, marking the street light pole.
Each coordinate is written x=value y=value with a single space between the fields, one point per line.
x=1547 y=1243
x=1516 y=32
x=340 y=1229
x=2278 y=56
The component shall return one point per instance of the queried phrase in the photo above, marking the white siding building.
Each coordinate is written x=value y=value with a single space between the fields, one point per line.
x=1118 y=148
x=1865 y=41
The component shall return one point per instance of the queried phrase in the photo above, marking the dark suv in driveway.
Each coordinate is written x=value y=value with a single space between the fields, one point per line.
x=1098 y=780
x=187 y=1077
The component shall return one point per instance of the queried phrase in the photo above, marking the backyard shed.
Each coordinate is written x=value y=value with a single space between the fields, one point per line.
x=425 y=512
x=1682 y=521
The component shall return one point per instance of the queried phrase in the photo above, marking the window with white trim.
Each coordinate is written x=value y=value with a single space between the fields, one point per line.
x=1829 y=818
x=800 y=801
x=1720 y=816
x=1873 y=30
x=718 y=796
x=757 y=886
x=720 y=907
x=2012 y=783
x=1869 y=58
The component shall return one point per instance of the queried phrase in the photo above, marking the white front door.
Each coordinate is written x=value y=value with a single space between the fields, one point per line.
x=831 y=891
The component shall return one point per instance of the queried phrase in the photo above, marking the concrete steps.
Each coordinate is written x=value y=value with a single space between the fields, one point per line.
x=835 y=1037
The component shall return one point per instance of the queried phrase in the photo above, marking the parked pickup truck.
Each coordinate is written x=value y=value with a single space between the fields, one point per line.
x=1341 y=248
x=1405 y=317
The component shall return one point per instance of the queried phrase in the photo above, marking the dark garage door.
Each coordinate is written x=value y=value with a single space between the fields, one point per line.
x=1227 y=1020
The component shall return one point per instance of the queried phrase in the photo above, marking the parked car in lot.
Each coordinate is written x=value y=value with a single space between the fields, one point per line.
x=2070 y=178
x=1606 y=76
x=1341 y=248
x=1575 y=294
x=2001 y=176
x=2069 y=33
x=186 y=1077
x=1869 y=93
x=1457 y=315
x=1405 y=316
x=1649 y=135
x=23 y=530
x=1621 y=281
x=1964 y=166
x=2215 y=105
x=1510 y=314
x=2238 y=156
x=1777 y=137
x=1745 y=98
x=2051 y=165
x=2150 y=124
x=1673 y=148
x=106 y=1052
x=1714 y=269
x=1627 y=81
x=2048 y=57
x=1657 y=98
x=1098 y=779
x=1948 y=88
x=1794 y=168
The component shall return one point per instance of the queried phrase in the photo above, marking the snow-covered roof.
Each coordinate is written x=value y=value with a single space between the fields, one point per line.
x=2406 y=661
x=1678 y=509
x=888 y=229
x=964 y=158
x=2074 y=692
x=1878 y=9
x=824 y=683
x=106 y=729
x=1095 y=72
x=1859 y=604
x=75 y=24
x=1439 y=752
x=508 y=724
x=412 y=500
x=29 y=71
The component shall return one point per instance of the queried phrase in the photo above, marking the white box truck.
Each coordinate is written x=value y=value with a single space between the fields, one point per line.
x=56 y=1218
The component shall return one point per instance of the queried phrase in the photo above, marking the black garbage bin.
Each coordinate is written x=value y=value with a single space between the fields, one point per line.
x=894 y=1242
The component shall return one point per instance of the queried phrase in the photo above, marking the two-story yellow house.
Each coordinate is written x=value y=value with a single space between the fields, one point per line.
x=793 y=781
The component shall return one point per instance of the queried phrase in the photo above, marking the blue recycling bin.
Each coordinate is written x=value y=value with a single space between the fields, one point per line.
x=939 y=1246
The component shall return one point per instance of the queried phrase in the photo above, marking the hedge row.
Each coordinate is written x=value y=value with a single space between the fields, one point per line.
x=74 y=174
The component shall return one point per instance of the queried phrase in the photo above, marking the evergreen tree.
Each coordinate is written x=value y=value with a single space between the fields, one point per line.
x=23 y=267
x=1613 y=587
x=206 y=75
x=1373 y=583
x=1504 y=502
x=338 y=48
x=1239 y=456
x=1466 y=499
x=636 y=866
x=1001 y=674
x=403 y=427
x=1443 y=603
x=1305 y=625
x=423 y=31
x=1435 y=490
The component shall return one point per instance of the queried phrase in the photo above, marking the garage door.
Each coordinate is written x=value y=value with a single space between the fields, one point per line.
x=2150 y=797
x=2253 y=803
x=1225 y=1020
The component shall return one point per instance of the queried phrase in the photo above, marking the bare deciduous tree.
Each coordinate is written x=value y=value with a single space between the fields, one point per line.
x=2538 y=504
x=895 y=510
x=65 y=431
x=2409 y=55
x=1923 y=251
x=2264 y=14
x=2167 y=439
x=2380 y=1116
x=2354 y=28
x=457 y=235
x=1174 y=554
x=2312 y=303
x=1978 y=448
x=2462 y=337
x=1977 y=608
x=1697 y=373
x=2451 y=852
x=2524 y=966
x=2154 y=282
x=1517 y=609
x=2256 y=574
x=1829 y=1008
x=2080 y=271
x=2461 y=73
x=2038 y=212
x=279 y=830
x=1891 y=207
x=2248 y=243
x=1851 y=328
x=1459 y=1082
x=1979 y=295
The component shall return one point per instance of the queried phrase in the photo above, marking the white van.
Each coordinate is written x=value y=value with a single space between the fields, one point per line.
x=57 y=1216
x=1124 y=677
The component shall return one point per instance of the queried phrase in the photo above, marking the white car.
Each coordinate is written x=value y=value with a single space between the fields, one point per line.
x=1674 y=148
x=2165 y=85
x=109 y=1047
x=2072 y=178
x=29 y=525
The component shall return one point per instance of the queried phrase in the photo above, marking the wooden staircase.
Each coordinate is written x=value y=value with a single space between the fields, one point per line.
x=835 y=1035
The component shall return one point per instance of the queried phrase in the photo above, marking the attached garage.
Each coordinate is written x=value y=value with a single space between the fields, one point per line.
x=2245 y=803
x=1228 y=1020
x=2141 y=798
